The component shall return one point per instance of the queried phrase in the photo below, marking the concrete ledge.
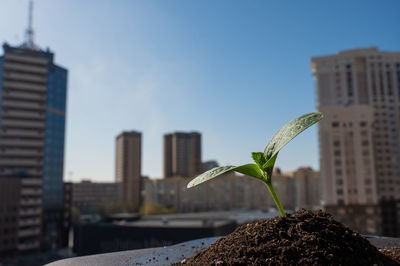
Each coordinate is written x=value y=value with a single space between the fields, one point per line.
x=175 y=253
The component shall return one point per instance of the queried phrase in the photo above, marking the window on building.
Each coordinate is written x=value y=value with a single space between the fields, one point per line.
x=364 y=143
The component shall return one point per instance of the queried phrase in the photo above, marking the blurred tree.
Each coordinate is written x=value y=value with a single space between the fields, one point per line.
x=109 y=208
x=75 y=214
x=155 y=208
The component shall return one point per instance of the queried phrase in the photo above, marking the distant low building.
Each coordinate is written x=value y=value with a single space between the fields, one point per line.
x=208 y=165
x=227 y=192
x=88 y=196
x=308 y=188
x=125 y=232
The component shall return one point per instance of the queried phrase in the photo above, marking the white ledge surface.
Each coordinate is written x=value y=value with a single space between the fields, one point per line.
x=171 y=254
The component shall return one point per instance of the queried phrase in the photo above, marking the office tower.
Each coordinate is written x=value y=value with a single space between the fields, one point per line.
x=359 y=93
x=128 y=167
x=32 y=104
x=182 y=154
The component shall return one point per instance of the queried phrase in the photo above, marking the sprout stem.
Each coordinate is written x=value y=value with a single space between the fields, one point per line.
x=275 y=197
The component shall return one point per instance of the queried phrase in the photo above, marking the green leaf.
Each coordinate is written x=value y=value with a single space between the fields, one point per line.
x=268 y=167
x=259 y=158
x=289 y=131
x=247 y=169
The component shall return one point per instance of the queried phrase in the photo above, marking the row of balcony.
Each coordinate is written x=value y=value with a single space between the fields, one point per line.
x=28 y=245
x=31 y=181
x=27 y=171
x=19 y=132
x=28 y=232
x=7 y=113
x=21 y=162
x=22 y=142
x=23 y=86
x=29 y=222
x=30 y=212
x=25 y=59
x=23 y=124
x=25 y=105
x=30 y=202
x=38 y=79
x=31 y=192
x=11 y=66
x=33 y=153
x=13 y=94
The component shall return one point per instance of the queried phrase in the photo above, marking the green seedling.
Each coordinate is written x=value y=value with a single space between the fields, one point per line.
x=265 y=161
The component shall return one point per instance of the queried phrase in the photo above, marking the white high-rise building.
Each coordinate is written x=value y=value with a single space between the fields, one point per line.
x=359 y=93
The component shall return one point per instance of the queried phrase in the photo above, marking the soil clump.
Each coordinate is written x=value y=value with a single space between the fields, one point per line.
x=301 y=238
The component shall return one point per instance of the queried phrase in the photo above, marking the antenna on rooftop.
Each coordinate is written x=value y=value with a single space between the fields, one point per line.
x=29 y=31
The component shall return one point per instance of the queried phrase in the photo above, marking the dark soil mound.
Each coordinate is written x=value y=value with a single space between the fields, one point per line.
x=301 y=238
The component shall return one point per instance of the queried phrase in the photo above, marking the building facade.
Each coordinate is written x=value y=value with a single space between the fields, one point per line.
x=227 y=192
x=89 y=196
x=308 y=188
x=10 y=189
x=182 y=154
x=359 y=93
x=32 y=125
x=208 y=165
x=128 y=167
x=67 y=215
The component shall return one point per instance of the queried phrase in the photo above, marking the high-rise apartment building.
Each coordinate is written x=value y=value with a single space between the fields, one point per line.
x=32 y=125
x=359 y=93
x=182 y=154
x=128 y=167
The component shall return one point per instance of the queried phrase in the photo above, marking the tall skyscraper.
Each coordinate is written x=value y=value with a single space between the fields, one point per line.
x=32 y=125
x=359 y=93
x=182 y=154
x=128 y=167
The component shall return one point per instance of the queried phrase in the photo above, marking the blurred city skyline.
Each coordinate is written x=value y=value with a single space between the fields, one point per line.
x=234 y=71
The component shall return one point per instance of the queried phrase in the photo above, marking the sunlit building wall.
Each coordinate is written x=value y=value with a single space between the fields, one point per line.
x=227 y=192
x=308 y=188
x=182 y=154
x=88 y=197
x=128 y=167
x=359 y=93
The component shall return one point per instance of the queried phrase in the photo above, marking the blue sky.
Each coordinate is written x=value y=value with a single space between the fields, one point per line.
x=236 y=71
